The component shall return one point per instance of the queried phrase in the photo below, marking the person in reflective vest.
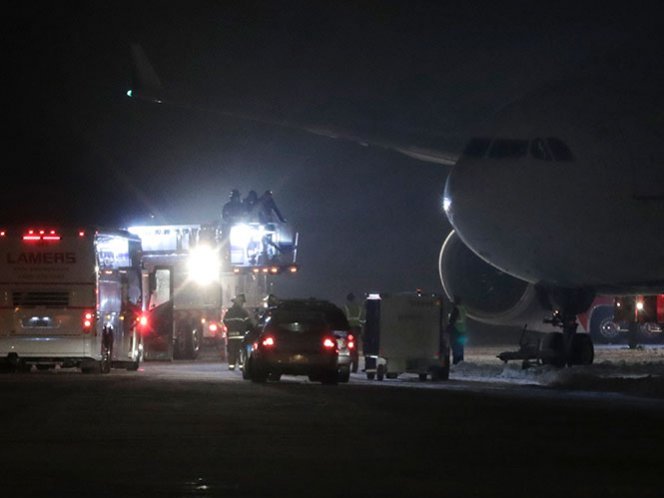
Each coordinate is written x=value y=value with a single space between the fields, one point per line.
x=238 y=323
x=458 y=329
x=355 y=315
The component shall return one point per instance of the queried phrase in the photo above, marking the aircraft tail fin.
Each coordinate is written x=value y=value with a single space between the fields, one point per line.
x=145 y=81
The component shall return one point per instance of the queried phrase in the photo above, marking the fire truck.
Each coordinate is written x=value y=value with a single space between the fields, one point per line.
x=615 y=319
x=191 y=272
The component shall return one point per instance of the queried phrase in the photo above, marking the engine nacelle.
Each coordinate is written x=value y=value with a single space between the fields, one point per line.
x=490 y=295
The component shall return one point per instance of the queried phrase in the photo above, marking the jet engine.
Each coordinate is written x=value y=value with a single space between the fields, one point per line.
x=490 y=295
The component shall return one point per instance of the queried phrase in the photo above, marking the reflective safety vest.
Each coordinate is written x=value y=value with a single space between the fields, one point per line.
x=354 y=314
x=237 y=321
x=460 y=323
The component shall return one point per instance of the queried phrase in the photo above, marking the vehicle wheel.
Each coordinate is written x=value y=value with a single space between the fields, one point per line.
x=192 y=343
x=555 y=347
x=371 y=375
x=583 y=351
x=258 y=374
x=344 y=374
x=380 y=372
x=276 y=377
x=246 y=369
x=602 y=327
x=394 y=375
x=44 y=367
x=422 y=377
x=134 y=366
x=440 y=373
x=650 y=333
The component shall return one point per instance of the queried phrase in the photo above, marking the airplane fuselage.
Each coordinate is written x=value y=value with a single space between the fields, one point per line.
x=567 y=190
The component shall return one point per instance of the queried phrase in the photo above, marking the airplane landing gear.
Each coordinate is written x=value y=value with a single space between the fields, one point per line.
x=569 y=348
x=558 y=348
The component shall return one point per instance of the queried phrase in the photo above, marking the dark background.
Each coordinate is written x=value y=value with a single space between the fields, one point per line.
x=78 y=150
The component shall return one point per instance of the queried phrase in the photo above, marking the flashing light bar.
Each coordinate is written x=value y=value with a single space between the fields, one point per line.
x=272 y=270
x=36 y=235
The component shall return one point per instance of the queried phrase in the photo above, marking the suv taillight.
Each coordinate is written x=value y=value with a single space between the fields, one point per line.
x=269 y=342
x=329 y=343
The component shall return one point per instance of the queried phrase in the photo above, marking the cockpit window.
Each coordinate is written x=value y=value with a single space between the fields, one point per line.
x=539 y=150
x=477 y=147
x=503 y=148
x=559 y=149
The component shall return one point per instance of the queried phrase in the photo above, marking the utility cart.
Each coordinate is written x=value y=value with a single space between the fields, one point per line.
x=405 y=333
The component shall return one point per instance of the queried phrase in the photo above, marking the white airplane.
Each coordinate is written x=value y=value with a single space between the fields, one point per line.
x=556 y=200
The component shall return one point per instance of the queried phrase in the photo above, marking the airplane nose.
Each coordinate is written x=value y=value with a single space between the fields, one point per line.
x=483 y=202
x=468 y=197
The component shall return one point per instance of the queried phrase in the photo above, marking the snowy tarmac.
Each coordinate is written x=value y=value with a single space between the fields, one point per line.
x=638 y=372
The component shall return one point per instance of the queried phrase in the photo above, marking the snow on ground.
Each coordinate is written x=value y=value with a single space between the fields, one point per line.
x=638 y=372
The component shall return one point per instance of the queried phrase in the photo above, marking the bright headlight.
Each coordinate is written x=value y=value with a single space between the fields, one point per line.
x=203 y=265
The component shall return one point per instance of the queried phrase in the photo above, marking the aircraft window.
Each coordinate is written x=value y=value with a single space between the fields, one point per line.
x=477 y=147
x=503 y=148
x=560 y=149
x=539 y=150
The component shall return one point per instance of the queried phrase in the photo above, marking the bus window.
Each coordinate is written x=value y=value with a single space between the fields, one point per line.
x=560 y=149
x=539 y=150
x=504 y=148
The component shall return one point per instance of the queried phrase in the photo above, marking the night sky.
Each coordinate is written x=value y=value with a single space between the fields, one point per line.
x=80 y=151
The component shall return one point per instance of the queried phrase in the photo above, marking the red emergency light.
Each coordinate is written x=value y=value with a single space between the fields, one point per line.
x=33 y=235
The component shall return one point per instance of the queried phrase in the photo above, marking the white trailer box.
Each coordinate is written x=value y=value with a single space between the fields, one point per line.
x=405 y=333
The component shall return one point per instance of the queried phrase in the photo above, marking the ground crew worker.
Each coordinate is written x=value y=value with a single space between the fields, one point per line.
x=238 y=323
x=355 y=315
x=458 y=329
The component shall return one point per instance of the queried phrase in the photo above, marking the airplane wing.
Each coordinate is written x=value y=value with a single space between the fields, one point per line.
x=147 y=86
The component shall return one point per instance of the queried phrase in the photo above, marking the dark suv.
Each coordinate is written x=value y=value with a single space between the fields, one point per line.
x=301 y=337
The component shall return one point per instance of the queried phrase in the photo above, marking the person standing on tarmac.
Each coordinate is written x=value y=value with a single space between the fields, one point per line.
x=238 y=323
x=355 y=316
x=458 y=330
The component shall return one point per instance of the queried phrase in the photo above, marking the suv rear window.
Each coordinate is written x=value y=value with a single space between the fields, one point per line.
x=314 y=311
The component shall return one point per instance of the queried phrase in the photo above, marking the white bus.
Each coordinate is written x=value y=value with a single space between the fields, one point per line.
x=70 y=297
